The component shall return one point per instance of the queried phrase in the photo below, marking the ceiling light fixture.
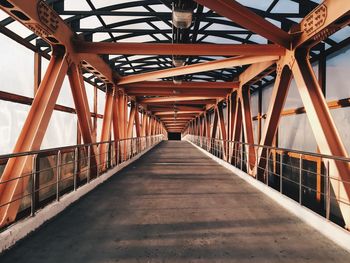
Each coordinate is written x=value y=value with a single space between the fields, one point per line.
x=182 y=19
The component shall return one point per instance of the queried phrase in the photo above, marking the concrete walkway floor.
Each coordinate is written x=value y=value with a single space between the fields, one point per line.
x=175 y=205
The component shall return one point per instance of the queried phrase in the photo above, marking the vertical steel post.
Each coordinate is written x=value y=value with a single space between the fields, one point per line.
x=118 y=153
x=132 y=148
x=58 y=175
x=88 y=172
x=98 y=165
x=300 y=178
x=328 y=192
x=111 y=144
x=268 y=166
x=241 y=145
x=256 y=162
x=34 y=176
x=281 y=172
x=75 y=172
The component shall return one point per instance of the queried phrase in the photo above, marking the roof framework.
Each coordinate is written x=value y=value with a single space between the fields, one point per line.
x=232 y=49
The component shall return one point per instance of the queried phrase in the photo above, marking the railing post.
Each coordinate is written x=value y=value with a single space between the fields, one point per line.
x=241 y=144
x=328 y=192
x=34 y=182
x=256 y=162
x=132 y=148
x=118 y=152
x=109 y=156
x=281 y=172
x=268 y=166
x=88 y=172
x=111 y=147
x=58 y=175
x=300 y=178
x=98 y=165
x=75 y=172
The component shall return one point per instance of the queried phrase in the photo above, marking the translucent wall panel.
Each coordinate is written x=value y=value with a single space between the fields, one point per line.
x=337 y=78
x=65 y=97
x=255 y=131
x=12 y=117
x=62 y=130
x=99 y=129
x=254 y=103
x=342 y=122
x=90 y=95
x=16 y=68
x=295 y=133
x=101 y=100
x=293 y=99
x=266 y=97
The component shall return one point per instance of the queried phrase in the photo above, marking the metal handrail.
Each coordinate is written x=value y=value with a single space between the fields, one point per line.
x=64 y=148
x=280 y=170
x=64 y=175
x=325 y=156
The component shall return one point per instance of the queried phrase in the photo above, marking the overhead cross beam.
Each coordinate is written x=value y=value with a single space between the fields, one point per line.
x=177 y=92
x=196 y=68
x=177 y=49
x=249 y=20
x=183 y=85
x=175 y=99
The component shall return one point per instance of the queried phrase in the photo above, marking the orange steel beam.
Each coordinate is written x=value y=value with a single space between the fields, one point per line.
x=324 y=128
x=137 y=122
x=184 y=85
x=174 y=122
x=83 y=112
x=178 y=92
x=278 y=97
x=31 y=136
x=34 y=15
x=214 y=127
x=231 y=107
x=94 y=124
x=177 y=113
x=170 y=108
x=222 y=127
x=172 y=118
x=106 y=127
x=149 y=127
x=178 y=49
x=28 y=101
x=133 y=111
x=173 y=99
x=248 y=126
x=207 y=126
x=248 y=19
x=199 y=103
x=238 y=121
x=196 y=68
x=253 y=70
x=37 y=71
x=121 y=101
x=323 y=21
x=116 y=123
x=144 y=124
x=181 y=114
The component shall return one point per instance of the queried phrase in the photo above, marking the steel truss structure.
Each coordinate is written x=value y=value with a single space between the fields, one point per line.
x=214 y=78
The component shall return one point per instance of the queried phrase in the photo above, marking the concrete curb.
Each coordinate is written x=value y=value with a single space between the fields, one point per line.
x=328 y=229
x=22 y=228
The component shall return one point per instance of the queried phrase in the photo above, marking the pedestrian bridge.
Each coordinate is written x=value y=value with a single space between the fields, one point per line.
x=174 y=204
x=174 y=131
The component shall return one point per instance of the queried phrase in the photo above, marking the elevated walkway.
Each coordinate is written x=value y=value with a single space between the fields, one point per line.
x=175 y=204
